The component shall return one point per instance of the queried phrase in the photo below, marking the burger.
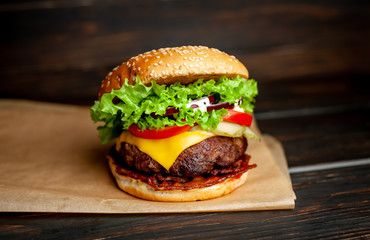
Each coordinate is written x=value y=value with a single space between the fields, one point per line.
x=180 y=118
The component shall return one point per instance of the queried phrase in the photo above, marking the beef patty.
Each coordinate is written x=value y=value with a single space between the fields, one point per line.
x=212 y=153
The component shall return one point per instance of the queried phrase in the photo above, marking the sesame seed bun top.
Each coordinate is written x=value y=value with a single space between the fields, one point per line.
x=169 y=65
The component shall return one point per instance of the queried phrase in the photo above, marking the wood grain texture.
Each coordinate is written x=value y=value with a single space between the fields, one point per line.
x=318 y=119
x=340 y=136
x=312 y=91
x=76 y=44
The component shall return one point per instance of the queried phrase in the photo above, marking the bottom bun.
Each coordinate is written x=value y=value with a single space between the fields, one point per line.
x=143 y=190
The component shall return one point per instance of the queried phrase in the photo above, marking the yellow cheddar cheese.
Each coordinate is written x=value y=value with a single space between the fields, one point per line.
x=164 y=151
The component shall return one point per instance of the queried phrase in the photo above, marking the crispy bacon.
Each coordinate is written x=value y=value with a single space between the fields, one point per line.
x=162 y=182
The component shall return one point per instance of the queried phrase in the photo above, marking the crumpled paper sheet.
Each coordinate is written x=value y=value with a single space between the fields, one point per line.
x=51 y=161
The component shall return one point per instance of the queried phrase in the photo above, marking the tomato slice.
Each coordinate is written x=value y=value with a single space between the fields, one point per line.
x=241 y=118
x=161 y=133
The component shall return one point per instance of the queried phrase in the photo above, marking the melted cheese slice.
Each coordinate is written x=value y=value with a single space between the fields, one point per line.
x=164 y=151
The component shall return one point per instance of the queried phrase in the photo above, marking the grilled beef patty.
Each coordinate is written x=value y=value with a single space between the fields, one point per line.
x=213 y=153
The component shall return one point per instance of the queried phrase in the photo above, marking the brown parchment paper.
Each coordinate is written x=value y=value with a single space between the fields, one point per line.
x=51 y=161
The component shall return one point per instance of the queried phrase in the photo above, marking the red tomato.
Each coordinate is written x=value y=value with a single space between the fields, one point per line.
x=241 y=118
x=165 y=132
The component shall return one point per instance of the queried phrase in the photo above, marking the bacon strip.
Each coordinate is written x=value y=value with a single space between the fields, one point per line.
x=168 y=182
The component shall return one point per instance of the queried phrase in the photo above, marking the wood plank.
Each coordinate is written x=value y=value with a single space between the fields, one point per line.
x=331 y=204
x=65 y=86
x=322 y=138
x=319 y=118
x=276 y=41
x=313 y=91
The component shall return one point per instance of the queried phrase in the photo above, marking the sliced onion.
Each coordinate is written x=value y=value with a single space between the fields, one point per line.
x=199 y=103
x=205 y=104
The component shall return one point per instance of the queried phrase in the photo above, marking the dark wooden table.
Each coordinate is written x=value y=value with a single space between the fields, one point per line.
x=311 y=60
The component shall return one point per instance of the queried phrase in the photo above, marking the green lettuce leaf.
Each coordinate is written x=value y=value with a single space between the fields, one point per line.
x=139 y=101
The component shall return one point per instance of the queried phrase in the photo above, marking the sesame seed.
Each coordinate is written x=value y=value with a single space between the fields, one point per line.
x=168 y=64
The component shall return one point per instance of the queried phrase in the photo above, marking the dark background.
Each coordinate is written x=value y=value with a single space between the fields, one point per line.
x=60 y=50
x=311 y=61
